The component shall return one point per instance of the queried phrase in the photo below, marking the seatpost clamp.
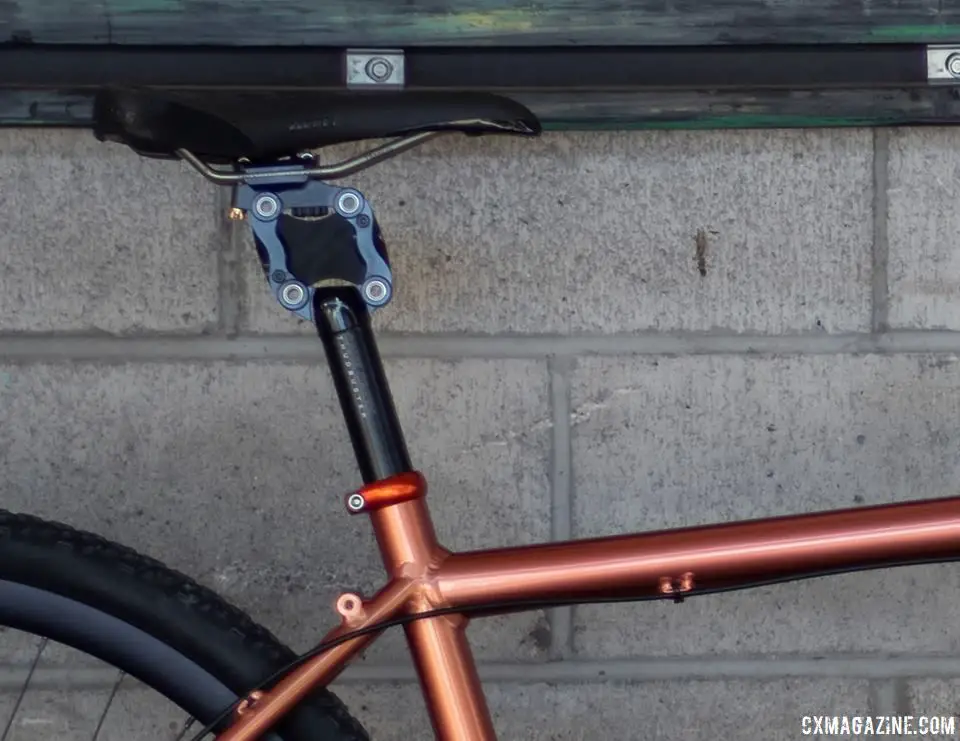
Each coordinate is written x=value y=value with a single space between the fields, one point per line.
x=309 y=233
x=403 y=487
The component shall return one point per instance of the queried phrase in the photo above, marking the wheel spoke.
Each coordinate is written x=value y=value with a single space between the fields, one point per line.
x=23 y=690
x=106 y=709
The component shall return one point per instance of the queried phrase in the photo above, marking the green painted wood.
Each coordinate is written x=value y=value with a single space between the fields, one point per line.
x=480 y=22
x=641 y=110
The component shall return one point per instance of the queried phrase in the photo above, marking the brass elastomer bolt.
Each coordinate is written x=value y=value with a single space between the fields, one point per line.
x=236 y=214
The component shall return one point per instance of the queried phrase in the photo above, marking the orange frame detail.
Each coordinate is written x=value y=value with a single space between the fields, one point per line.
x=424 y=576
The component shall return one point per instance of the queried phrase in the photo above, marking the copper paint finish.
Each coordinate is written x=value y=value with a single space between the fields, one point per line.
x=668 y=563
x=448 y=677
x=319 y=671
x=394 y=490
x=407 y=541
x=727 y=555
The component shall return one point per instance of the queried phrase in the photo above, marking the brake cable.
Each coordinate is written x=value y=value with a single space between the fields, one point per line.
x=526 y=605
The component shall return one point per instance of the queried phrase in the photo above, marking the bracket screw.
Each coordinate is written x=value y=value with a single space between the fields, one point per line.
x=266 y=206
x=379 y=69
x=293 y=295
x=953 y=65
x=349 y=203
x=376 y=291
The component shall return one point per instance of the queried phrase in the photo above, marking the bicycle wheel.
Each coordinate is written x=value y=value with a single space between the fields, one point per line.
x=145 y=620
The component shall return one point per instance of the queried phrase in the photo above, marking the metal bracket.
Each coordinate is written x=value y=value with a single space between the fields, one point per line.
x=943 y=64
x=375 y=68
x=348 y=229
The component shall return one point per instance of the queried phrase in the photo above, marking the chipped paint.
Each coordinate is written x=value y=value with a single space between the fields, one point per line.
x=912 y=33
x=494 y=21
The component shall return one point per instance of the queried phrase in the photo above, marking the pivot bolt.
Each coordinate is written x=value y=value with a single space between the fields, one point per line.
x=266 y=206
x=379 y=69
x=953 y=65
x=355 y=502
x=293 y=295
x=376 y=291
x=349 y=203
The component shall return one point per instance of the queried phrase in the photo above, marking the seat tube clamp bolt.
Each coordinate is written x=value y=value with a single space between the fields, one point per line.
x=356 y=503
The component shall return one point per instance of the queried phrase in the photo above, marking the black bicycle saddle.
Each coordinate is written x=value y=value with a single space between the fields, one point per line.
x=223 y=126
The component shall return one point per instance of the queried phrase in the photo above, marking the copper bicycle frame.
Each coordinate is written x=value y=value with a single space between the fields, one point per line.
x=424 y=576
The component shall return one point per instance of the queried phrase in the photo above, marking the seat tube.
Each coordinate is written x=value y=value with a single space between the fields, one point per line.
x=404 y=531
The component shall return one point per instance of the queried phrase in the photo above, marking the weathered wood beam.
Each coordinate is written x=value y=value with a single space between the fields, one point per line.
x=478 y=22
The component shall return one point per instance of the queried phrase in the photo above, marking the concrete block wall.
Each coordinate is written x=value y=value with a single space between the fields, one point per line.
x=567 y=362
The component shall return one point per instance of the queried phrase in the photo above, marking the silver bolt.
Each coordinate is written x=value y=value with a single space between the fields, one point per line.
x=355 y=502
x=953 y=65
x=266 y=206
x=379 y=69
x=292 y=295
x=348 y=203
x=376 y=291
